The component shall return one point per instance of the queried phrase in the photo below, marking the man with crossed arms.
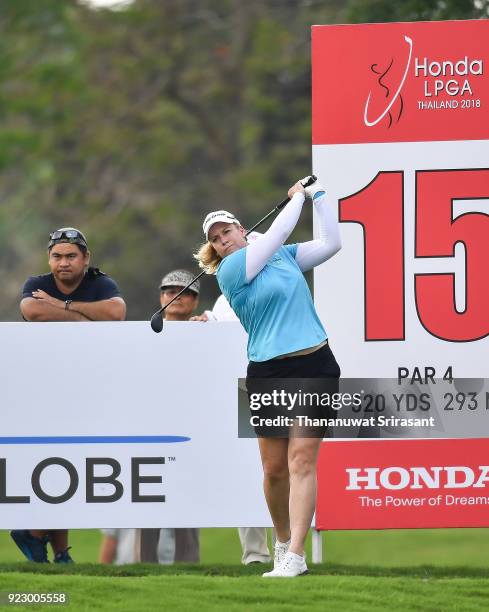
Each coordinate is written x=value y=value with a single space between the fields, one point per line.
x=72 y=291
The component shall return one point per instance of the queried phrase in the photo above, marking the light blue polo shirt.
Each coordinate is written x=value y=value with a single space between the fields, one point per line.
x=275 y=308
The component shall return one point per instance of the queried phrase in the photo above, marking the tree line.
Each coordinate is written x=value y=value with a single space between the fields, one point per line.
x=132 y=124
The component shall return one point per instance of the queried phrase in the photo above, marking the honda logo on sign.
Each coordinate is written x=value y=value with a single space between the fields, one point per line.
x=397 y=478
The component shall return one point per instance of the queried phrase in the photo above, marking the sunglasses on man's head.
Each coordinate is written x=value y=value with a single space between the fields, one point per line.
x=72 y=236
x=72 y=233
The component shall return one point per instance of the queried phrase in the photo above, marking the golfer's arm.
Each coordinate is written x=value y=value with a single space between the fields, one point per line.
x=260 y=250
x=39 y=310
x=315 y=252
x=113 y=309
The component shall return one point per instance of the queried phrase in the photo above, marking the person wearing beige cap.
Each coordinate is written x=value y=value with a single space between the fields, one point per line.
x=182 y=308
x=171 y=545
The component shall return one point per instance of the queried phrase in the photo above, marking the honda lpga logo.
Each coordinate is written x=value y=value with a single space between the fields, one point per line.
x=395 y=105
x=396 y=478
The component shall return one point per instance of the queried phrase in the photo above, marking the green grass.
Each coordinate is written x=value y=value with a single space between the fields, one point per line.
x=322 y=591
x=410 y=547
x=421 y=570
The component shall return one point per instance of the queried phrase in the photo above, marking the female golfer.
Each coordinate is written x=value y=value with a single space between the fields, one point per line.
x=264 y=283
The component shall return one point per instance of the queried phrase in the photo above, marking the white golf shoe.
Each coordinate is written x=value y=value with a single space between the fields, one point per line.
x=292 y=565
x=280 y=550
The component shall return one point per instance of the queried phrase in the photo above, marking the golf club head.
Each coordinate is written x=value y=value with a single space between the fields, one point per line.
x=157 y=322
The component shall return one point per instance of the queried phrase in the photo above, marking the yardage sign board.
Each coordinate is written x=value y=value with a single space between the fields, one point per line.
x=401 y=143
x=401 y=140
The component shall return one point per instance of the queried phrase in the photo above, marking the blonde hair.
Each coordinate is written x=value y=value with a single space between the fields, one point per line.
x=207 y=257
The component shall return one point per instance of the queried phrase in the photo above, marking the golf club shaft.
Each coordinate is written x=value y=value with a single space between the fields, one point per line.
x=272 y=212
x=277 y=208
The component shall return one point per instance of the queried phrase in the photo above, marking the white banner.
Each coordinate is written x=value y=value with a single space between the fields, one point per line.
x=112 y=425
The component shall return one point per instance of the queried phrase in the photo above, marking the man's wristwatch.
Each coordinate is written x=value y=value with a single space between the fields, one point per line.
x=67 y=304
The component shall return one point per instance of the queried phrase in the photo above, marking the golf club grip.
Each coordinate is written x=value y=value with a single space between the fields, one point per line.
x=312 y=179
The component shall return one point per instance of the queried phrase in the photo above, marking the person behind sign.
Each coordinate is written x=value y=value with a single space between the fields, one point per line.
x=120 y=546
x=265 y=286
x=174 y=545
x=72 y=291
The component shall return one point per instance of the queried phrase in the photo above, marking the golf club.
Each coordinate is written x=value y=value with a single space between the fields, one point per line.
x=157 y=318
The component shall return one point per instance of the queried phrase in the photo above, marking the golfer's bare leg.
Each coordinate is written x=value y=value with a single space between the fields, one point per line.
x=302 y=457
x=276 y=483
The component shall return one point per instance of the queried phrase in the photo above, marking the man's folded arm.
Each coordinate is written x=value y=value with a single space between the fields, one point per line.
x=113 y=309
x=40 y=310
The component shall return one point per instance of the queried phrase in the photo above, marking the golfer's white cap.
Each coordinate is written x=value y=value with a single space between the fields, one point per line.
x=218 y=216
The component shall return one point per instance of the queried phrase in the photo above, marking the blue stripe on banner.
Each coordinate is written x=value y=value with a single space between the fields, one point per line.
x=93 y=439
x=318 y=194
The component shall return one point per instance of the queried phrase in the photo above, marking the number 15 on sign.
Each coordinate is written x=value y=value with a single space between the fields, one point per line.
x=379 y=209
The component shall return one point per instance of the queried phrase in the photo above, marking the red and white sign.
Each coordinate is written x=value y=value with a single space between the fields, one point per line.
x=395 y=484
x=400 y=82
x=401 y=144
